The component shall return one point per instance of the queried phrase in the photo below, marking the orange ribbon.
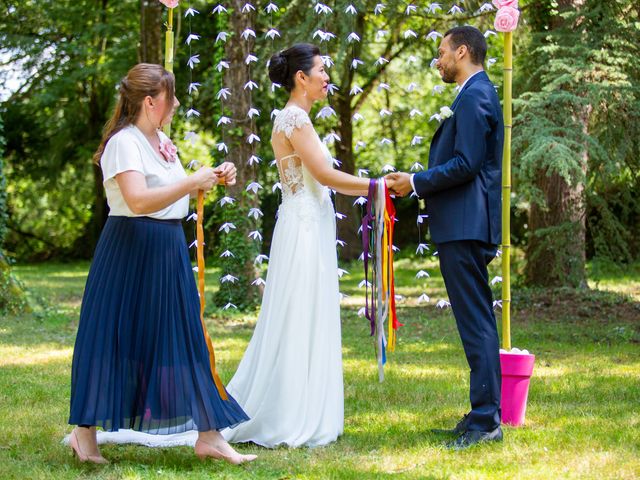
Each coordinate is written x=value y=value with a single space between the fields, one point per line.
x=200 y=258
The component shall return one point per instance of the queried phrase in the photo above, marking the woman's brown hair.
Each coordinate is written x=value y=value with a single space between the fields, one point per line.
x=145 y=79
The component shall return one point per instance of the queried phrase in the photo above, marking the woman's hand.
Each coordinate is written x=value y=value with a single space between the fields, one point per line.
x=205 y=178
x=226 y=171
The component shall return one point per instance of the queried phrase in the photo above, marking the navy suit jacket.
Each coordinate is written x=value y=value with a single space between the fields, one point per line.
x=462 y=186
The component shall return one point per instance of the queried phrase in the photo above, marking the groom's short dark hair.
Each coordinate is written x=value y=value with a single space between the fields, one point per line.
x=472 y=38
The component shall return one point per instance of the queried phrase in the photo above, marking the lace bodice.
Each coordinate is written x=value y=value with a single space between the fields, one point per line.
x=290 y=118
x=294 y=177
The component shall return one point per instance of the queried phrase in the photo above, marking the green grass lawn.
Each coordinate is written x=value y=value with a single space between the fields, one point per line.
x=583 y=417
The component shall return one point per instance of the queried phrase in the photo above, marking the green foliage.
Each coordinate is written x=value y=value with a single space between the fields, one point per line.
x=3 y=188
x=73 y=53
x=244 y=249
x=408 y=62
x=12 y=296
x=13 y=299
x=69 y=55
x=577 y=117
x=78 y=52
x=46 y=221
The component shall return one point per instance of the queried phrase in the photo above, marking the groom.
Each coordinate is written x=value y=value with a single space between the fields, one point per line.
x=462 y=192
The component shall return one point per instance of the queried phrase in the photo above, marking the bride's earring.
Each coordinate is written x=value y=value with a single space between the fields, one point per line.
x=305 y=92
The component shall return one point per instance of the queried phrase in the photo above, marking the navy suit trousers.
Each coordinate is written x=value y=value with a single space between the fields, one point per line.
x=463 y=264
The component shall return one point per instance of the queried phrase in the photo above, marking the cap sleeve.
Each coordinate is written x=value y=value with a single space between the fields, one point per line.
x=289 y=119
x=121 y=154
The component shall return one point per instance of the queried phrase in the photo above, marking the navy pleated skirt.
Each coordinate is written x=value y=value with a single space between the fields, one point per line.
x=140 y=359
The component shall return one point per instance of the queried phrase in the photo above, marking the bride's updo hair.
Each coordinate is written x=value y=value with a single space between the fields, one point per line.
x=284 y=65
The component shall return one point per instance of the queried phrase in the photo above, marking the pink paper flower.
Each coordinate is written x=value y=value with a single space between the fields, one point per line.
x=173 y=3
x=506 y=19
x=505 y=3
x=168 y=150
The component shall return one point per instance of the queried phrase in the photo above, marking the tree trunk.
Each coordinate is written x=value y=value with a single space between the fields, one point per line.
x=556 y=250
x=150 y=50
x=245 y=249
x=347 y=227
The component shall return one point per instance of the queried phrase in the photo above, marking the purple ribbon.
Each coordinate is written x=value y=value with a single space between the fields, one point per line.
x=367 y=221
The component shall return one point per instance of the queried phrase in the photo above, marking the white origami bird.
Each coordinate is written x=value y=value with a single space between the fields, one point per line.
x=191 y=37
x=227 y=227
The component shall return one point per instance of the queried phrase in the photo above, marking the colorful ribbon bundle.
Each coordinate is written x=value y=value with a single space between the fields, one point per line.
x=377 y=243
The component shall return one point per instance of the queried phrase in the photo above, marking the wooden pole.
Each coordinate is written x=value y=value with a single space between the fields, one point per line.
x=506 y=193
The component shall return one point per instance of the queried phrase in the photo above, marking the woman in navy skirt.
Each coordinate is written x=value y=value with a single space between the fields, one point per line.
x=140 y=359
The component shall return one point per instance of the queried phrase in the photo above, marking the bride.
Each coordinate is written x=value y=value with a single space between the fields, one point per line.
x=289 y=381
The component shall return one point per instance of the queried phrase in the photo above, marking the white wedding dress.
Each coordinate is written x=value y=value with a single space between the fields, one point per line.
x=289 y=381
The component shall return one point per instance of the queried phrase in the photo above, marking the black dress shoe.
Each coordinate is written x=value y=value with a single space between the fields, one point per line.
x=459 y=429
x=472 y=437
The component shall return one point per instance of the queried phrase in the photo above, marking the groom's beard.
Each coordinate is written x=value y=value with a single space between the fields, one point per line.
x=448 y=75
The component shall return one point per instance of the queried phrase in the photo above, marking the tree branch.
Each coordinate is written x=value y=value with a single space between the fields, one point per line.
x=31 y=235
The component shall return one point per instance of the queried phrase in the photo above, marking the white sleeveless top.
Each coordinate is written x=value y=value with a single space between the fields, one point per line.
x=129 y=150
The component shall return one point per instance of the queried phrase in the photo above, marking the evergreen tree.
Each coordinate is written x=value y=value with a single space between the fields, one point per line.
x=576 y=149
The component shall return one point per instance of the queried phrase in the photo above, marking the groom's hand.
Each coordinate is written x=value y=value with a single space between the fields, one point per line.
x=399 y=183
